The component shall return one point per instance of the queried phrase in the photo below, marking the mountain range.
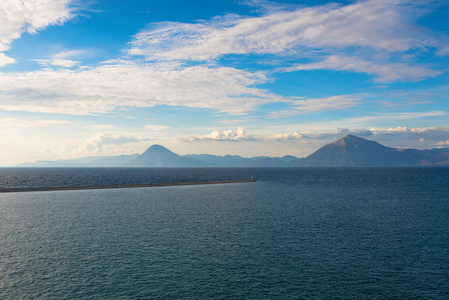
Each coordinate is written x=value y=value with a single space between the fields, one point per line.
x=348 y=151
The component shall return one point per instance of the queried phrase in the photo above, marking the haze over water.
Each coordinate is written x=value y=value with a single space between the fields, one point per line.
x=295 y=233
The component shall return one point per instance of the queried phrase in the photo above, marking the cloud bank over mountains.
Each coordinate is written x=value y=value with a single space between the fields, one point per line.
x=433 y=135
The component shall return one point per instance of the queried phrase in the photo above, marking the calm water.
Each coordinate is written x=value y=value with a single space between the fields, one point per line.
x=295 y=233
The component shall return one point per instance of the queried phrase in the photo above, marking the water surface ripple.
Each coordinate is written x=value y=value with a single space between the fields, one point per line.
x=295 y=233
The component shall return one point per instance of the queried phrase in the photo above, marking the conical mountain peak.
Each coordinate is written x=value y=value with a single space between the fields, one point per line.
x=351 y=150
x=157 y=147
x=159 y=156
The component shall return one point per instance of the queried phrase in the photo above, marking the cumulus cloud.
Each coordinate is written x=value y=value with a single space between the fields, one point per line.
x=227 y=135
x=405 y=129
x=241 y=135
x=400 y=137
x=291 y=136
x=357 y=132
x=411 y=137
x=96 y=143
x=443 y=144
x=19 y=16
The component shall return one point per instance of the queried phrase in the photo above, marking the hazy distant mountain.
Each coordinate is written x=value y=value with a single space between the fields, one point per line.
x=265 y=162
x=440 y=149
x=238 y=161
x=158 y=156
x=352 y=151
x=114 y=161
x=289 y=159
x=84 y=162
x=348 y=151
x=219 y=161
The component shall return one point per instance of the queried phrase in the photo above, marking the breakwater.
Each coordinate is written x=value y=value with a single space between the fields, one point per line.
x=96 y=187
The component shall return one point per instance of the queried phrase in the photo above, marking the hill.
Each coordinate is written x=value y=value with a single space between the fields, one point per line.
x=352 y=151
x=158 y=156
x=348 y=151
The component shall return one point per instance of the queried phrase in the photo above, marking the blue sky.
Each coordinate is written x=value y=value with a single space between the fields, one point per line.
x=247 y=77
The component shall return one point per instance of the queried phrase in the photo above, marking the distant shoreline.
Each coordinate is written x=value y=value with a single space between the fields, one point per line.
x=120 y=186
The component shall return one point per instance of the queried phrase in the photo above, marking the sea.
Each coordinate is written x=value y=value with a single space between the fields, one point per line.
x=293 y=233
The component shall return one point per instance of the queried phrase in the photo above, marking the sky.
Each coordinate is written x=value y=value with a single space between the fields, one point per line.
x=242 y=77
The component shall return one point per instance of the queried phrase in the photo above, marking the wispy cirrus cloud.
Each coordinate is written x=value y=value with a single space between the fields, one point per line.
x=338 y=37
x=384 y=71
x=379 y=117
x=19 y=16
x=64 y=59
x=152 y=127
x=9 y=123
x=304 y=106
x=374 y=24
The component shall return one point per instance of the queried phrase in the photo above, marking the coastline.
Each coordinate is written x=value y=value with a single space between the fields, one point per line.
x=98 y=187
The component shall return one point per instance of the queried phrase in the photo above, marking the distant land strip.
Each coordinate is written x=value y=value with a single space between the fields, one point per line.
x=120 y=186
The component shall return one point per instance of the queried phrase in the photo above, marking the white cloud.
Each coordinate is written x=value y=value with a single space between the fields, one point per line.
x=156 y=127
x=63 y=59
x=19 y=16
x=291 y=136
x=357 y=132
x=6 y=60
x=66 y=63
x=103 y=127
x=302 y=106
x=241 y=135
x=227 y=135
x=443 y=144
x=359 y=37
x=8 y=123
x=404 y=130
x=44 y=152
x=236 y=121
x=392 y=136
x=375 y=24
x=385 y=72
x=318 y=135
x=107 y=87
x=95 y=144
x=405 y=137
x=379 y=117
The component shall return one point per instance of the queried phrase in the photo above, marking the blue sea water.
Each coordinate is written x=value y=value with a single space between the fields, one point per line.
x=294 y=233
